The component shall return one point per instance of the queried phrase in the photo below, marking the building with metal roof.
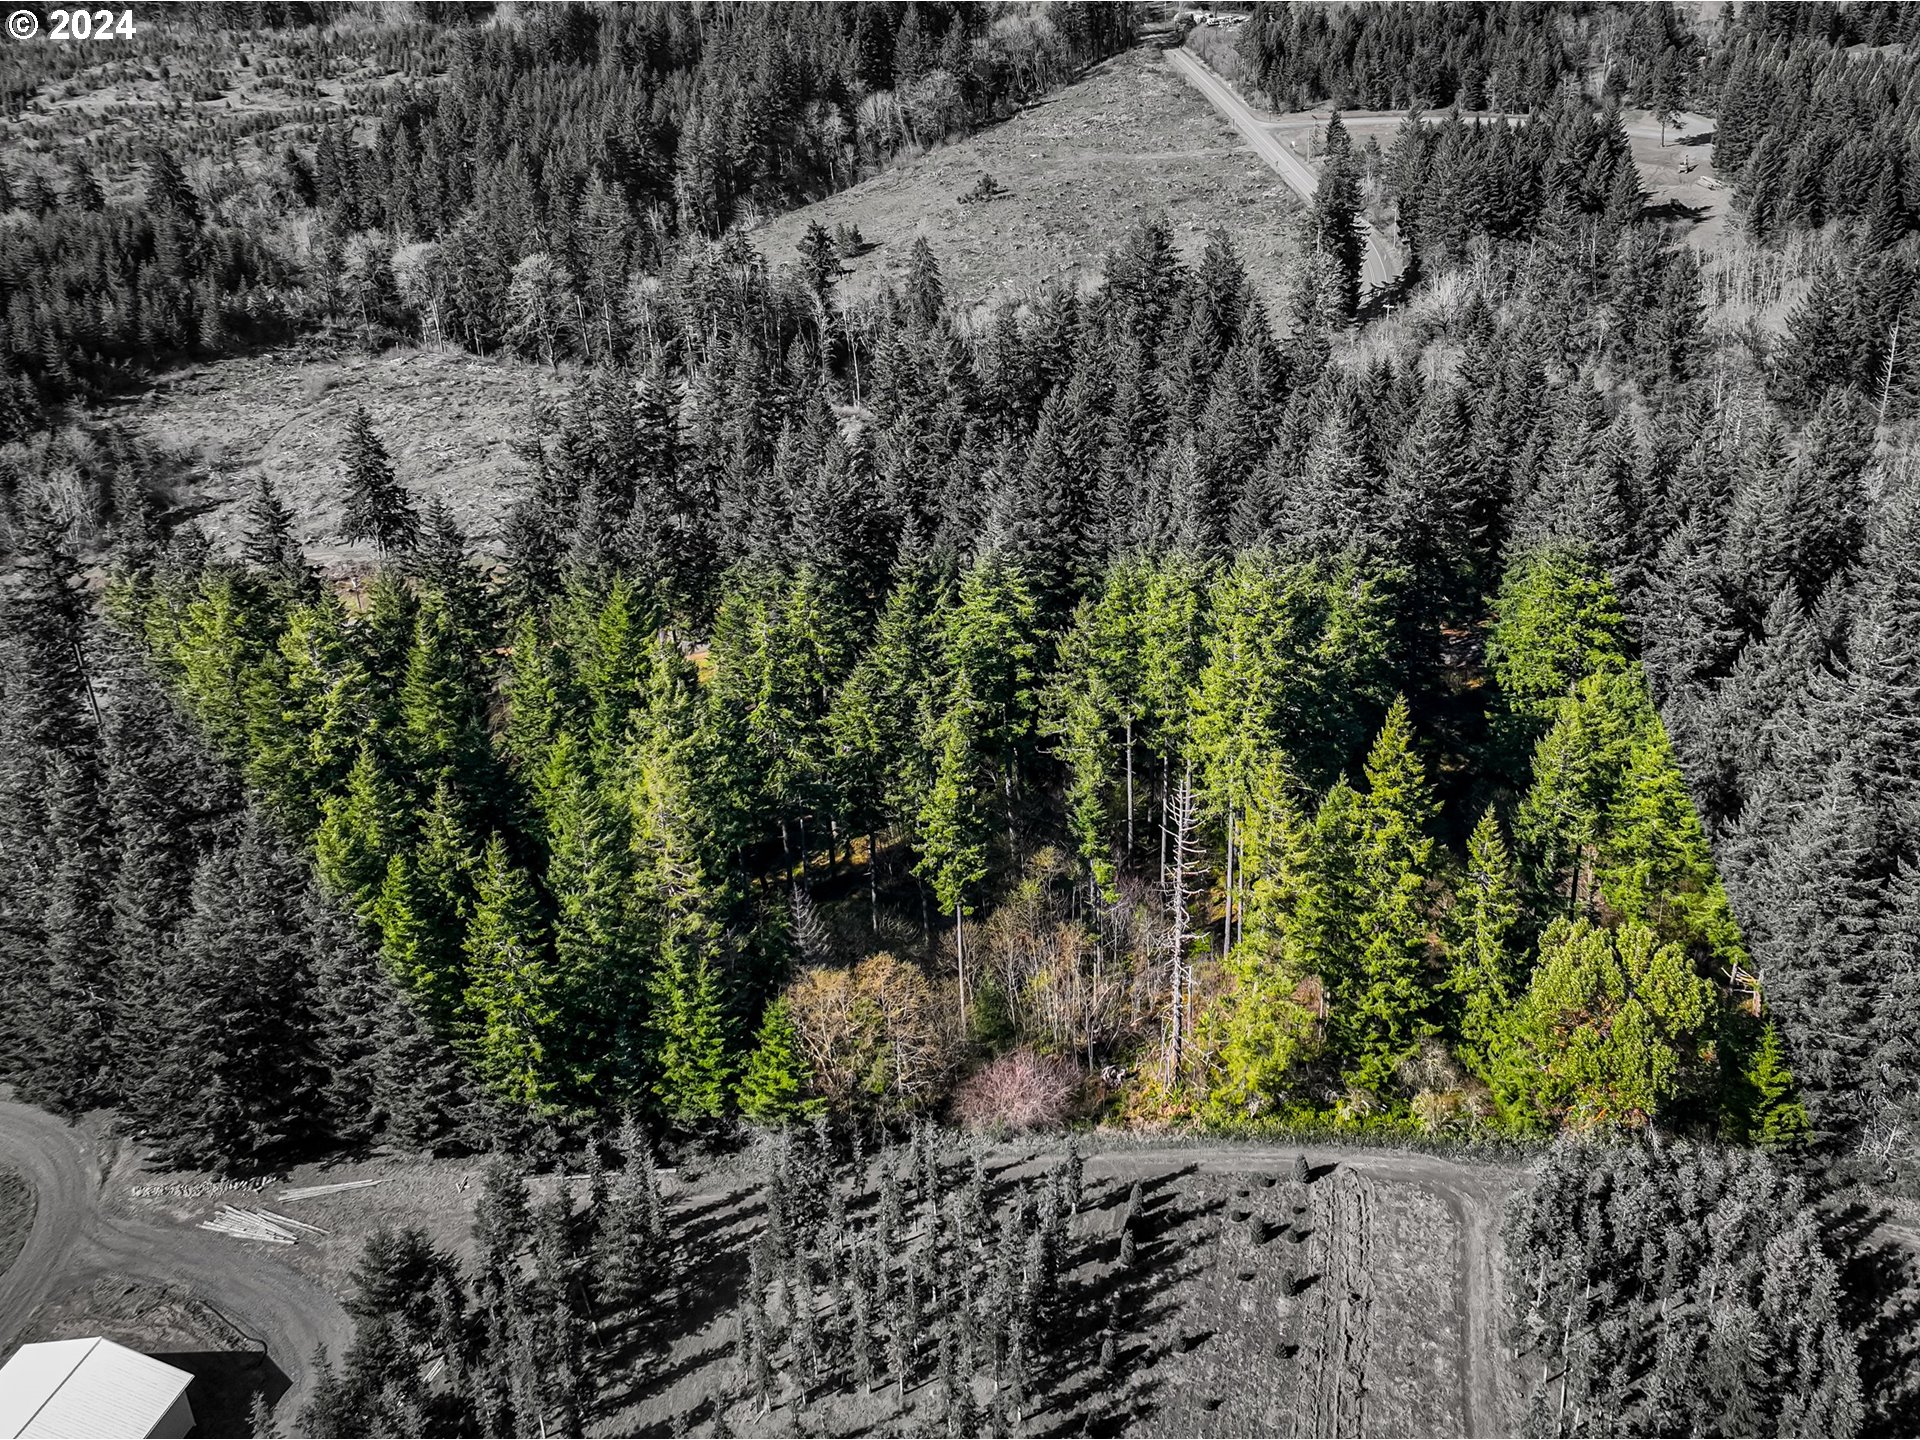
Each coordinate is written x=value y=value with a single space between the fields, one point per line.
x=80 y=1388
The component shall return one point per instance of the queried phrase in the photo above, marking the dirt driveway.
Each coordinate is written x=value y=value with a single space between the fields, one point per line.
x=74 y=1243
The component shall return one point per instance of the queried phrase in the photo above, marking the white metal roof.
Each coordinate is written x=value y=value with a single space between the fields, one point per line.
x=78 y=1388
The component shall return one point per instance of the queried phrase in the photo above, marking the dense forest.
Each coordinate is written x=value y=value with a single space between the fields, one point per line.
x=1493 y=719
x=1650 y=1283
x=1374 y=57
x=423 y=214
x=1268 y=726
x=1266 y=729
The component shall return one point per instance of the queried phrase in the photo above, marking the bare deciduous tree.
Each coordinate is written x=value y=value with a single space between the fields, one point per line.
x=877 y=1036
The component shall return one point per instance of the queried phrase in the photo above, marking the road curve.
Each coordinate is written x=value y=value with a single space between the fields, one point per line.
x=1380 y=268
x=74 y=1242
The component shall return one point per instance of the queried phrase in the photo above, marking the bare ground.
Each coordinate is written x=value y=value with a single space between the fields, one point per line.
x=449 y=420
x=1395 y=1324
x=1369 y=1301
x=87 y=1270
x=1128 y=141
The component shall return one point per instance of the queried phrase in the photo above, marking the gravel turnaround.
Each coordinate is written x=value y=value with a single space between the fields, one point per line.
x=74 y=1241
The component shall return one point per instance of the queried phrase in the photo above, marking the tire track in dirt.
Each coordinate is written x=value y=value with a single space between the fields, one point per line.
x=1476 y=1286
x=74 y=1242
x=1475 y=1195
x=1316 y=1330
x=1356 y=1292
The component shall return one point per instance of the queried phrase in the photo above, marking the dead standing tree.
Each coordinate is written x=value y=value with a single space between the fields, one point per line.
x=1184 y=886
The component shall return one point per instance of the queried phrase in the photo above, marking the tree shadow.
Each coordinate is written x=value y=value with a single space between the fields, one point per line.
x=224 y=1384
x=1881 y=1282
x=1382 y=300
x=1677 y=210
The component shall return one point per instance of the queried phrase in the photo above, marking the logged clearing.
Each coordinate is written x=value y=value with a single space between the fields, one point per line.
x=448 y=419
x=1368 y=1300
x=1130 y=140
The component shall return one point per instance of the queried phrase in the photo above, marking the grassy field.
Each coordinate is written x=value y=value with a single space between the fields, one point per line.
x=1128 y=141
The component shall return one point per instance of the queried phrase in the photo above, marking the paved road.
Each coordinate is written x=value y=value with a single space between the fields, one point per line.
x=1381 y=267
x=73 y=1242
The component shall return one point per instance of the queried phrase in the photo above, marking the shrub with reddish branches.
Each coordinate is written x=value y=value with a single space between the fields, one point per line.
x=1018 y=1091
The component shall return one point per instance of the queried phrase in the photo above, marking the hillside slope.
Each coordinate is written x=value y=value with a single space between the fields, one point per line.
x=1078 y=170
x=448 y=419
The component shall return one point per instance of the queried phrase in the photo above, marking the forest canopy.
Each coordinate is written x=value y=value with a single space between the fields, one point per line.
x=1492 y=721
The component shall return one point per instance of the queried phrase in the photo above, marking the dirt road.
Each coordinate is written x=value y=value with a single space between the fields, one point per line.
x=1660 y=152
x=1381 y=267
x=1475 y=1194
x=74 y=1242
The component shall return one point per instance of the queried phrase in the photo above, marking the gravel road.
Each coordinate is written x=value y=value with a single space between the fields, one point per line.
x=74 y=1242
x=1381 y=267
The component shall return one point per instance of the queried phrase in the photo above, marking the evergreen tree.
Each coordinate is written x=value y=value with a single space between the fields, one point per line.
x=238 y=1086
x=1381 y=1011
x=1482 y=939
x=626 y=1260
x=1612 y=1031
x=377 y=507
x=1555 y=623
x=74 y=1019
x=775 y=1075
x=681 y=1054
x=511 y=1017
x=442 y=562
x=1262 y=1029
x=819 y=263
x=361 y=829
x=690 y=1034
x=440 y=732
x=308 y=713
x=589 y=877
x=925 y=295
x=269 y=544
x=1338 y=232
